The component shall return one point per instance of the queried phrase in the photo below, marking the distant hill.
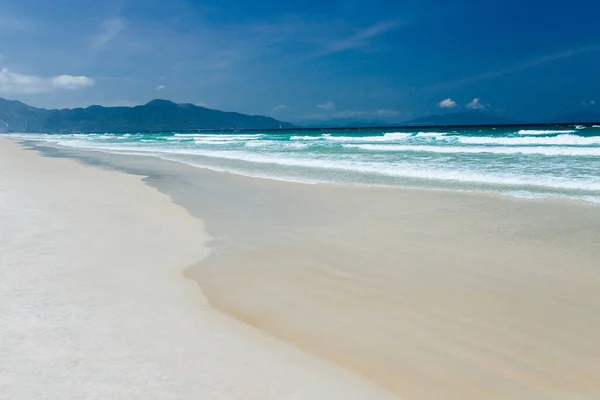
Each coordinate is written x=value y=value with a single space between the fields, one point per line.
x=578 y=117
x=157 y=115
x=461 y=118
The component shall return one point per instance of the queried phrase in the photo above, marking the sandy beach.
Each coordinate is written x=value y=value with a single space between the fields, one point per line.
x=352 y=292
x=94 y=304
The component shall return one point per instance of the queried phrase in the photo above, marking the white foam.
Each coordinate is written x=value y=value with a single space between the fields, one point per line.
x=543 y=132
x=388 y=137
x=313 y=137
x=213 y=142
x=218 y=136
x=296 y=145
x=563 y=175
x=431 y=134
x=401 y=170
x=561 y=140
x=276 y=145
x=255 y=144
x=546 y=151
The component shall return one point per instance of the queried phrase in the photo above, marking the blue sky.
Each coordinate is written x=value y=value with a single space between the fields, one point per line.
x=306 y=61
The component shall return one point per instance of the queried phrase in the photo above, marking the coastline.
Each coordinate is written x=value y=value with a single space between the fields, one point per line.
x=434 y=295
x=94 y=303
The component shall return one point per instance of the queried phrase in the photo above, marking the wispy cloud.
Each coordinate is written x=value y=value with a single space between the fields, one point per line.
x=160 y=87
x=357 y=40
x=517 y=67
x=588 y=103
x=330 y=105
x=12 y=82
x=387 y=113
x=447 y=103
x=280 y=107
x=109 y=29
x=475 y=104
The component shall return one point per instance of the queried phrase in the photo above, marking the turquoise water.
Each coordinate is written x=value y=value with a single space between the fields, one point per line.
x=556 y=162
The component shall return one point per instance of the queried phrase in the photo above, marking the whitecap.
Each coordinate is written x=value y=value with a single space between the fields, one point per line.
x=561 y=140
x=543 y=132
x=545 y=151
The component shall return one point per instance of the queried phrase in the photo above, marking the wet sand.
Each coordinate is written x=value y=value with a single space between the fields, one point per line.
x=433 y=295
x=94 y=304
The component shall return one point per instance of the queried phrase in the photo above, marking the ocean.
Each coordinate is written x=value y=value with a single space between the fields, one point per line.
x=526 y=162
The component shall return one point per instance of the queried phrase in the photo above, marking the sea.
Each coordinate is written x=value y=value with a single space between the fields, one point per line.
x=526 y=162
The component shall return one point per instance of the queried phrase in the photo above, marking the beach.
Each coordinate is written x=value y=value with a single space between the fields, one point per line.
x=94 y=304
x=144 y=278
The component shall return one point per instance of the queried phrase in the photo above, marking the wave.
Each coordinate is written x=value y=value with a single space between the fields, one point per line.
x=213 y=142
x=543 y=132
x=218 y=136
x=431 y=134
x=320 y=137
x=545 y=151
x=400 y=170
x=294 y=145
x=387 y=137
x=276 y=144
x=561 y=140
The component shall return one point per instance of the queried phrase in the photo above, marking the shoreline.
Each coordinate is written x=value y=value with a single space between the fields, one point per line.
x=85 y=156
x=529 y=164
x=480 y=288
x=94 y=300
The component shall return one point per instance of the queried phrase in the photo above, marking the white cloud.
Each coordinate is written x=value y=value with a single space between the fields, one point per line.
x=160 y=87
x=280 y=107
x=588 y=103
x=12 y=82
x=109 y=29
x=330 y=105
x=475 y=104
x=201 y=104
x=448 y=103
x=70 y=82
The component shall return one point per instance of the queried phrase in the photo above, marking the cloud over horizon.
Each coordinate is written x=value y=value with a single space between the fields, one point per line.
x=447 y=103
x=330 y=105
x=280 y=107
x=475 y=104
x=12 y=82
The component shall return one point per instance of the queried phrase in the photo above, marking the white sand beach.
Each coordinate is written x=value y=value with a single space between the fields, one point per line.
x=342 y=292
x=93 y=303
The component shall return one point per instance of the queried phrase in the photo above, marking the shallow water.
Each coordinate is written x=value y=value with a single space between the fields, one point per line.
x=554 y=162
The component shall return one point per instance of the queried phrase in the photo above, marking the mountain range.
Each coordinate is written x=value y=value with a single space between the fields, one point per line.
x=164 y=115
x=157 y=115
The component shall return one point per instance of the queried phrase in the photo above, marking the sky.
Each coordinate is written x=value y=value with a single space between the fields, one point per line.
x=306 y=61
